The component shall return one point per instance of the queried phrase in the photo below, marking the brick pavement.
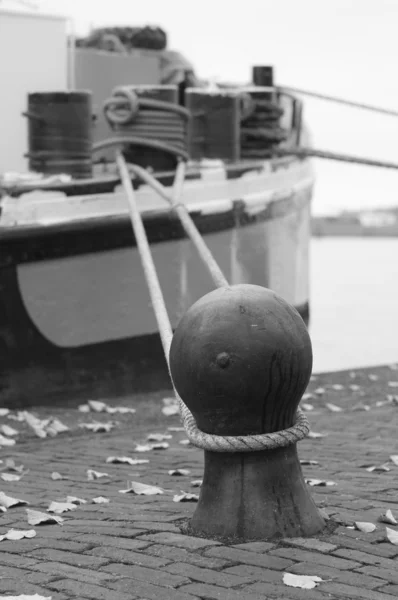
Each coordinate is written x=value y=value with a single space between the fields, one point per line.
x=132 y=547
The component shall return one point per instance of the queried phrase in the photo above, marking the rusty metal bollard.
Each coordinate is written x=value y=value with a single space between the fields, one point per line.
x=240 y=359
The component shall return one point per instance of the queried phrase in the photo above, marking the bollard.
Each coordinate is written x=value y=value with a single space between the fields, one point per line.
x=240 y=359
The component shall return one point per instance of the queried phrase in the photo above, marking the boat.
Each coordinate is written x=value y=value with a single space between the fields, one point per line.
x=75 y=314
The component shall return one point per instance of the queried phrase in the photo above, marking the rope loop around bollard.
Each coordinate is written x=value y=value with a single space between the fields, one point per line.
x=243 y=443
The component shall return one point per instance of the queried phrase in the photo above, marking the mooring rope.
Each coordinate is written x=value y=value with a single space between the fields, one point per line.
x=337 y=100
x=214 y=443
x=304 y=152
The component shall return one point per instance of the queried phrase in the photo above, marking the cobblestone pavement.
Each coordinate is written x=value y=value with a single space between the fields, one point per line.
x=132 y=547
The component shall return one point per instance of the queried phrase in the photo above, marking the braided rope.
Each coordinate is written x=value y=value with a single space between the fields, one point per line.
x=243 y=443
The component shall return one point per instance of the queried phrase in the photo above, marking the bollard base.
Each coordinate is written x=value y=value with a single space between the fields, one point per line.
x=255 y=496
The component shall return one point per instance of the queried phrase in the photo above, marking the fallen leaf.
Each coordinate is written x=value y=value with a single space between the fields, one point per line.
x=61 y=507
x=185 y=443
x=143 y=448
x=306 y=407
x=314 y=436
x=177 y=472
x=122 y=410
x=55 y=426
x=354 y=387
x=160 y=446
x=176 y=429
x=7 y=430
x=158 y=437
x=142 y=489
x=170 y=407
x=319 y=391
x=36 y=517
x=84 y=408
x=92 y=475
x=18 y=534
x=337 y=387
x=308 y=462
x=373 y=377
x=324 y=514
x=5 y=441
x=393 y=384
x=185 y=497
x=388 y=517
x=307 y=396
x=10 y=477
x=365 y=527
x=97 y=405
x=394 y=459
x=11 y=465
x=393 y=367
x=305 y=582
x=378 y=469
x=57 y=476
x=392 y=536
x=36 y=424
x=391 y=399
x=360 y=406
x=196 y=482
x=126 y=460
x=75 y=500
x=101 y=500
x=4 y=412
x=333 y=407
x=3 y=509
x=320 y=482
x=97 y=427
x=9 y=502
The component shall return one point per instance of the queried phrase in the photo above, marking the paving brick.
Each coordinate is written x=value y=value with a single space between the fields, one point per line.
x=255 y=573
x=390 y=589
x=310 y=544
x=28 y=545
x=362 y=545
x=156 y=526
x=349 y=577
x=179 y=540
x=147 y=591
x=211 y=592
x=18 y=587
x=91 y=540
x=72 y=572
x=130 y=558
x=272 y=590
x=390 y=575
x=259 y=547
x=182 y=555
x=154 y=576
x=13 y=560
x=77 y=589
x=351 y=592
x=299 y=555
x=250 y=558
x=70 y=558
x=208 y=575
x=363 y=557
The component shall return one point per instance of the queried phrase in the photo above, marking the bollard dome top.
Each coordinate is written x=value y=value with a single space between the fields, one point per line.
x=241 y=359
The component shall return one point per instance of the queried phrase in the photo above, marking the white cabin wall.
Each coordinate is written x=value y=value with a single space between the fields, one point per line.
x=33 y=58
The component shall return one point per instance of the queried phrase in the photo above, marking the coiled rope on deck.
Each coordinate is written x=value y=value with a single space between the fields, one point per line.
x=214 y=443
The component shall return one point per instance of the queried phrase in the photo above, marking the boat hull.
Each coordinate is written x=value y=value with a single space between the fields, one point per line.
x=75 y=314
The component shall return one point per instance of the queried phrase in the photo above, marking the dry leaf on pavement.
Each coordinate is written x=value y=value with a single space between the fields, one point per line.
x=333 y=407
x=6 y=441
x=35 y=517
x=378 y=469
x=17 y=534
x=319 y=482
x=97 y=427
x=158 y=437
x=314 y=436
x=394 y=459
x=177 y=472
x=337 y=387
x=185 y=497
x=364 y=527
x=354 y=387
x=122 y=410
x=319 y=391
x=305 y=582
x=306 y=407
x=393 y=384
x=75 y=500
x=27 y=597
x=55 y=476
x=126 y=460
x=176 y=429
x=61 y=507
x=84 y=408
x=392 y=536
x=196 y=482
x=101 y=500
x=388 y=517
x=4 y=412
x=170 y=407
x=10 y=477
x=308 y=462
x=8 y=430
x=142 y=489
x=11 y=465
x=9 y=502
x=92 y=475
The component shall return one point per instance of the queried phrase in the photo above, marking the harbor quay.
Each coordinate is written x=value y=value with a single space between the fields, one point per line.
x=131 y=546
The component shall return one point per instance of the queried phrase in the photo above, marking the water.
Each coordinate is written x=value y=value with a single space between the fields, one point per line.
x=354 y=302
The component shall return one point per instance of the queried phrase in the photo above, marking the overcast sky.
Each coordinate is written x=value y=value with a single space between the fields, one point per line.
x=342 y=47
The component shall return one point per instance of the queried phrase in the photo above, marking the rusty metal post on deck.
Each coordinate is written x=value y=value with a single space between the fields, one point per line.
x=240 y=359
